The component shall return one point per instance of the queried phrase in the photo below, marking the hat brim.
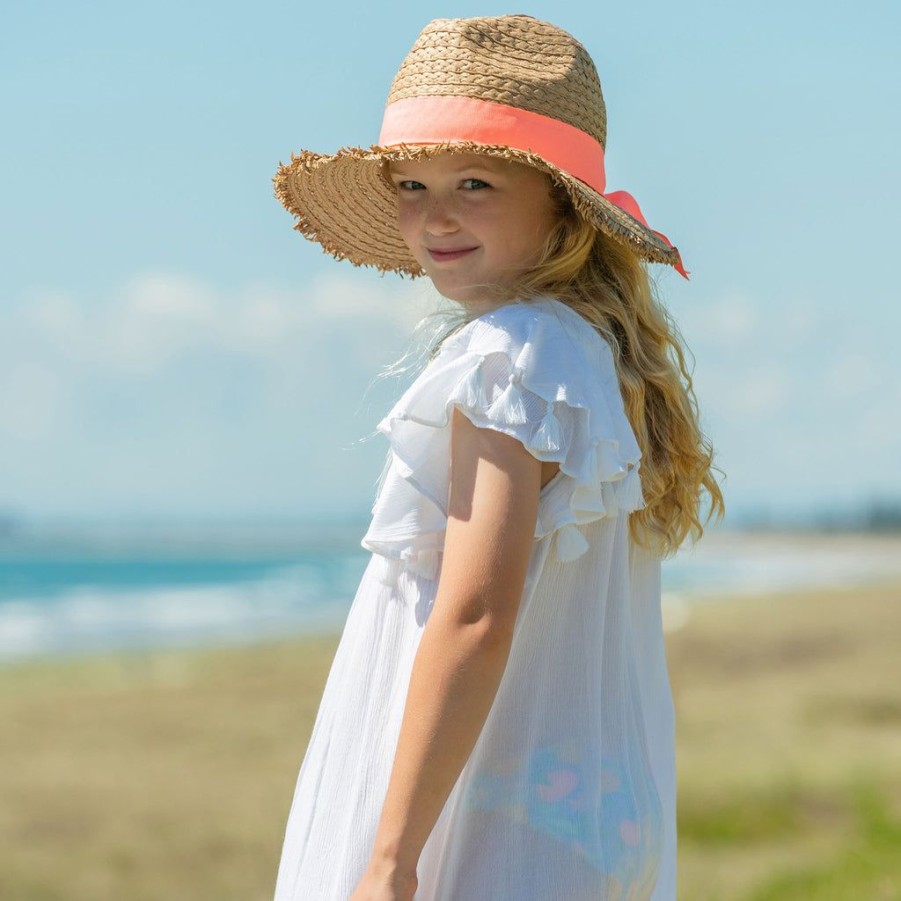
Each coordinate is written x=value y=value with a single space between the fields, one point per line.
x=344 y=203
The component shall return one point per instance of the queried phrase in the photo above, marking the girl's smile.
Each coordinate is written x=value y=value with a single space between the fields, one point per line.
x=441 y=256
x=472 y=221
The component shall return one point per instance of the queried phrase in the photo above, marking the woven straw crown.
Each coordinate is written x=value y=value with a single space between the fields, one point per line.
x=514 y=60
x=515 y=64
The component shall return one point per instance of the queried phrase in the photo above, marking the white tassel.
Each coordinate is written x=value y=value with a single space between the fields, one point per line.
x=628 y=491
x=509 y=407
x=549 y=436
x=607 y=462
x=472 y=389
x=589 y=499
x=423 y=563
x=609 y=496
x=388 y=570
x=571 y=543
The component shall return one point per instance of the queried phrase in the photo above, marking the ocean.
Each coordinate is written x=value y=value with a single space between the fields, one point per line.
x=80 y=589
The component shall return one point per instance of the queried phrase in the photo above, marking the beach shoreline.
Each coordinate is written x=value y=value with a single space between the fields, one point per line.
x=151 y=589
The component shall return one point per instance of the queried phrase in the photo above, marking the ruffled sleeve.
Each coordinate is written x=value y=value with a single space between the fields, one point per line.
x=536 y=371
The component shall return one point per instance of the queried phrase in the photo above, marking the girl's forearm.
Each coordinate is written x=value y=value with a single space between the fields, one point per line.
x=455 y=677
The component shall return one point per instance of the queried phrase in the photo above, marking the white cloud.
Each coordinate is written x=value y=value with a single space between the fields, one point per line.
x=796 y=322
x=728 y=322
x=29 y=398
x=57 y=317
x=764 y=391
x=138 y=329
x=800 y=400
x=168 y=297
x=170 y=394
x=156 y=317
x=853 y=374
x=734 y=320
x=880 y=424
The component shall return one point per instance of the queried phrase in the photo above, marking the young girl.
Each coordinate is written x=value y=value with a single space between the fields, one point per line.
x=497 y=724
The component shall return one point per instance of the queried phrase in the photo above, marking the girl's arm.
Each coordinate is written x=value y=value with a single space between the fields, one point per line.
x=492 y=509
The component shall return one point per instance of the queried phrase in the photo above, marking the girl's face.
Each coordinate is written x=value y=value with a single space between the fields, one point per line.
x=471 y=220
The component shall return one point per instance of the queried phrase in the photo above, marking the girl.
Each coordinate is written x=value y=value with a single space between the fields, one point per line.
x=497 y=724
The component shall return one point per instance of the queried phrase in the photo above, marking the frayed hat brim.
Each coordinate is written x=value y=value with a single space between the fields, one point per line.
x=345 y=203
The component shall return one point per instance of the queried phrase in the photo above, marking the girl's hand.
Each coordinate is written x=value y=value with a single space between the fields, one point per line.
x=378 y=885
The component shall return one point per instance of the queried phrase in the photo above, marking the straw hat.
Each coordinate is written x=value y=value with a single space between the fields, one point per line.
x=507 y=86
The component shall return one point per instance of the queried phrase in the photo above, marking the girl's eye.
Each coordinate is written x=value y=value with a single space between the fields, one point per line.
x=471 y=184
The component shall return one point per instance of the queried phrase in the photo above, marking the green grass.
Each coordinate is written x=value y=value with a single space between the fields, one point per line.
x=868 y=867
x=789 y=750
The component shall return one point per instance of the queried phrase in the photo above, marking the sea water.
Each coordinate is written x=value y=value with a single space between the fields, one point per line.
x=80 y=589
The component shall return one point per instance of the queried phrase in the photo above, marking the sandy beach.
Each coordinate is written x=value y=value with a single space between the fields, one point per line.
x=137 y=777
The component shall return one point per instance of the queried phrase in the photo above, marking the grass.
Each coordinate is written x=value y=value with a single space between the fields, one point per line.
x=169 y=774
x=155 y=776
x=789 y=748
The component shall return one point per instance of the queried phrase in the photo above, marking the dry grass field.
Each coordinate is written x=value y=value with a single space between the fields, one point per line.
x=790 y=747
x=168 y=775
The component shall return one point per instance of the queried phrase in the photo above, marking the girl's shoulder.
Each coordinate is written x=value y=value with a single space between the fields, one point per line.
x=545 y=340
x=544 y=322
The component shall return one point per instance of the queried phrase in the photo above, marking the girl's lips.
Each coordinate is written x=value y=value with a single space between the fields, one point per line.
x=441 y=256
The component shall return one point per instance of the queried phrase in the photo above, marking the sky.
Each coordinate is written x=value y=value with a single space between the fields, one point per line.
x=170 y=349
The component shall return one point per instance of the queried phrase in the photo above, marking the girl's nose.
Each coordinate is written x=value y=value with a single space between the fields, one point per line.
x=439 y=217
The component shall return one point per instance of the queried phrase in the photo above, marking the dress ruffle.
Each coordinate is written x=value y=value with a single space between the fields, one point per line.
x=536 y=371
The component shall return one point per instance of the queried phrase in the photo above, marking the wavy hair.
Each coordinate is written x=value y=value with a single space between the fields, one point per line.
x=608 y=284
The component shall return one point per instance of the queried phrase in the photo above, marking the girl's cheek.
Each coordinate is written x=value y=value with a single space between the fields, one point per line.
x=406 y=214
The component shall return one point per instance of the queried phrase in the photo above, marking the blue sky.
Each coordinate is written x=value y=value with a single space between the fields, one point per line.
x=170 y=348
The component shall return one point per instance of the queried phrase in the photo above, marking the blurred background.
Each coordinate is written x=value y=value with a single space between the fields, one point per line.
x=189 y=391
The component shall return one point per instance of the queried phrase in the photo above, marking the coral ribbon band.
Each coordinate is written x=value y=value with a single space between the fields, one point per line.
x=434 y=120
x=450 y=118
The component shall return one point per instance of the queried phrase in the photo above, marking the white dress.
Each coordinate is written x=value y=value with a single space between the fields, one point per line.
x=569 y=793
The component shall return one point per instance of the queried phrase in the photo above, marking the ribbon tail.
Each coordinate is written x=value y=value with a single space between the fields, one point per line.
x=626 y=202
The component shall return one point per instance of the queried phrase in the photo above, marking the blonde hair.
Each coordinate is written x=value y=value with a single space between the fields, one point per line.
x=608 y=284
